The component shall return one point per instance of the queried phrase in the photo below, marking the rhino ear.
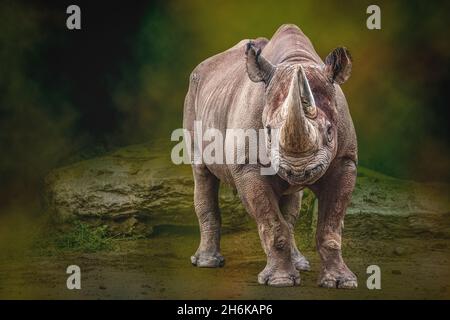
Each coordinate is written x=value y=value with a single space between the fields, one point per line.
x=338 y=65
x=258 y=68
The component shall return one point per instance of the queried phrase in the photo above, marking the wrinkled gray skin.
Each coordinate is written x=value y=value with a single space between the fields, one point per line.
x=264 y=84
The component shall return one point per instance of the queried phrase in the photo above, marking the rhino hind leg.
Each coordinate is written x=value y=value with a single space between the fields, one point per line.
x=334 y=195
x=290 y=208
x=208 y=214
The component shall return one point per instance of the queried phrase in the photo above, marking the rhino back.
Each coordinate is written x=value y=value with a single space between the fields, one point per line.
x=290 y=45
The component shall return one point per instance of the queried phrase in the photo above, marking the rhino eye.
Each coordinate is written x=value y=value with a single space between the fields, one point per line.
x=329 y=132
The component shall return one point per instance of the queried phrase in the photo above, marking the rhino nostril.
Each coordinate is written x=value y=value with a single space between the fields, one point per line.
x=269 y=131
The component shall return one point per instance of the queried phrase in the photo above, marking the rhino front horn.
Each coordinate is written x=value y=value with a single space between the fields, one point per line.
x=298 y=134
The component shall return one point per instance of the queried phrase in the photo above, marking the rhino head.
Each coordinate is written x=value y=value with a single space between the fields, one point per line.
x=300 y=101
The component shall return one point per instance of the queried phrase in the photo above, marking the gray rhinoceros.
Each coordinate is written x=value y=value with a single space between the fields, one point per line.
x=279 y=84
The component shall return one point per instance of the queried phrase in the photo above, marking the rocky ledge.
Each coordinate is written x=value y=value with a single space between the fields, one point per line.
x=133 y=189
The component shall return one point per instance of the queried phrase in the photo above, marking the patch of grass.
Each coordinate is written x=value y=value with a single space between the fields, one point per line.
x=84 y=238
x=79 y=237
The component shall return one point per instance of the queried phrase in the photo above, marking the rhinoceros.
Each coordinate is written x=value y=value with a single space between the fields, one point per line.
x=283 y=85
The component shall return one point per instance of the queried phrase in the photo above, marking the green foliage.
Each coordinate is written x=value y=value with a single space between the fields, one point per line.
x=308 y=220
x=84 y=238
x=79 y=237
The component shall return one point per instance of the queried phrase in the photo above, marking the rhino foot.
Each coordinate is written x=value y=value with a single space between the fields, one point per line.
x=278 y=278
x=340 y=278
x=208 y=260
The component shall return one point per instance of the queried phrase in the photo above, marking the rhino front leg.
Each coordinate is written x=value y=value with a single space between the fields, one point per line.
x=290 y=208
x=207 y=210
x=334 y=193
x=262 y=204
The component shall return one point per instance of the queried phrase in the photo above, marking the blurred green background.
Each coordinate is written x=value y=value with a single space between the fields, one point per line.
x=68 y=95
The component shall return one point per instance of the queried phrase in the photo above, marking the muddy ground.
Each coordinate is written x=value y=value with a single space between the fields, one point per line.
x=414 y=265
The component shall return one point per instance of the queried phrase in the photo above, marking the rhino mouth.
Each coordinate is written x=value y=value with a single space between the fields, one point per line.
x=313 y=171
x=308 y=175
x=302 y=169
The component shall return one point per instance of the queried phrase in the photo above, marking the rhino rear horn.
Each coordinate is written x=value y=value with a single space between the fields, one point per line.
x=258 y=68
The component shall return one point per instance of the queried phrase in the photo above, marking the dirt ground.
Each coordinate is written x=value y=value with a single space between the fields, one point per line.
x=414 y=265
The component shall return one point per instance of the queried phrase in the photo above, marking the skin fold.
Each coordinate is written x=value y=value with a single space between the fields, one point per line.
x=278 y=84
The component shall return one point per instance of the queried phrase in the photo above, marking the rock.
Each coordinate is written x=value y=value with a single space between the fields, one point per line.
x=136 y=188
x=127 y=189
x=376 y=193
x=128 y=182
x=399 y=251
